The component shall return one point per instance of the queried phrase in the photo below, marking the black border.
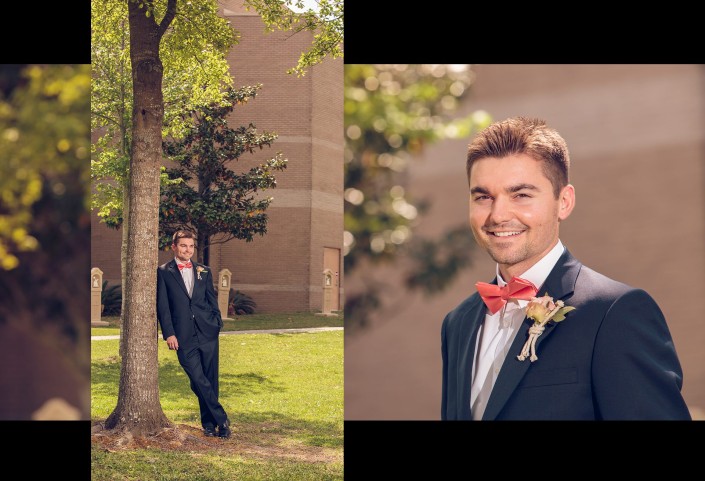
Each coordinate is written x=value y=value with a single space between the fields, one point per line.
x=46 y=33
x=518 y=449
x=408 y=33
x=55 y=449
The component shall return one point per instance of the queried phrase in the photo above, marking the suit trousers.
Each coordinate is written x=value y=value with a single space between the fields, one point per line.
x=201 y=365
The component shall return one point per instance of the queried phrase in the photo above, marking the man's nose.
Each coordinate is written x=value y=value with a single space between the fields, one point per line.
x=501 y=210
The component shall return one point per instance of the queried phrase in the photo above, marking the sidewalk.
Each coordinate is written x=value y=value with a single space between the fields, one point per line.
x=254 y=331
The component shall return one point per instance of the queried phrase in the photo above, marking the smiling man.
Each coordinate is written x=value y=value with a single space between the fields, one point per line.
x=593 y=348
x=187 y=310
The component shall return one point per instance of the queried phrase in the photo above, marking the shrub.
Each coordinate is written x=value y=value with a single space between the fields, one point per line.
x=111 y=299
x=240 y=303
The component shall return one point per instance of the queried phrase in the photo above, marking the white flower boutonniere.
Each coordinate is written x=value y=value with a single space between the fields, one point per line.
x=200 y=269
x=541 y=310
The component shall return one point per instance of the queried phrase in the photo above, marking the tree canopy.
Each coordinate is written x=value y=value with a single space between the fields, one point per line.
x=214 y=200
x=196 y=73
x=324 y=18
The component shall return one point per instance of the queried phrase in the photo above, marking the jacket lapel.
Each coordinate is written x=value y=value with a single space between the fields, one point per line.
x=177 y=274
x=466 y=347
x=196 y=281
x=559 y=285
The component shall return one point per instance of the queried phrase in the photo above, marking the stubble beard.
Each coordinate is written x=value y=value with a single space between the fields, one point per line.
x=502 y=253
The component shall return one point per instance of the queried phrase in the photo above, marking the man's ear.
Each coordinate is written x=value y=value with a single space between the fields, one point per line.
x=566 y=202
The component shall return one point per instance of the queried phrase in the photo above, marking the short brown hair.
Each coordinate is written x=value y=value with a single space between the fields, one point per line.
x=183 y=234
x=522 y=135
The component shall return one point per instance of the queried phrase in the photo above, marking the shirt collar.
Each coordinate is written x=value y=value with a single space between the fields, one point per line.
x=538 y=273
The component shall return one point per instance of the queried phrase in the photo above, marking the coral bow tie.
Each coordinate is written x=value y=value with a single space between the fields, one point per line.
x=495 y=297
x=187 y=265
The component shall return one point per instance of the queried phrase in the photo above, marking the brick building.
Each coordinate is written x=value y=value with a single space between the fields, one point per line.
x=282 y=271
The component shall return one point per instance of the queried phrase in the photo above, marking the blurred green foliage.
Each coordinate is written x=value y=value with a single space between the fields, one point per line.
x=44 y=134
x=391 y=113
x=44 y=194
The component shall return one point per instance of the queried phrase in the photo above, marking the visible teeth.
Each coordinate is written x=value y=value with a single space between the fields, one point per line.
x=506 y=234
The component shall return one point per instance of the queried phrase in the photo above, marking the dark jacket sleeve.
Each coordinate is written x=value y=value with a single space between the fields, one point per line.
x=212 y=298
x=636 y=372
x=444 y=356
x=163 y=311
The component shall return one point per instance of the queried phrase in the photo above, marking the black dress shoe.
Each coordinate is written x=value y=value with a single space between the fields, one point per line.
x=224 y=430
x=209 y=431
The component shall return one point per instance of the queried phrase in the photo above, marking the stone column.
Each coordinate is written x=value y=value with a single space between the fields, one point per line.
x=224 y=277
x=96 y=290
x=327 y=292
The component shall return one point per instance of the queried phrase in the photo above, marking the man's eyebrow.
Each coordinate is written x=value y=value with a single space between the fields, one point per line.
x=518 y=187
x=479 y=190
x=511 y=189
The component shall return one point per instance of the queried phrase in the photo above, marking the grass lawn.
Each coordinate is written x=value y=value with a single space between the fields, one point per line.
x=283 y=394
x=248 y=323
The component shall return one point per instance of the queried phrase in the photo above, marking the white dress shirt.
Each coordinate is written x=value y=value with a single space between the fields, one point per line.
x=187 y=275
x=498 y=331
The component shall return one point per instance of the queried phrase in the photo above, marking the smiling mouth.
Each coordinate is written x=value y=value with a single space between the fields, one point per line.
x=505 y=233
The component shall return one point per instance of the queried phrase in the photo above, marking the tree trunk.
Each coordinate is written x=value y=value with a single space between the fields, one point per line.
x=123 y=261
x=125 y=197
x=138 y=408
x=203 y=249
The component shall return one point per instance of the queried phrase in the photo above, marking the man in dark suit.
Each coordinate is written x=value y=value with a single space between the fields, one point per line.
x=187 y=309
x=612 y=357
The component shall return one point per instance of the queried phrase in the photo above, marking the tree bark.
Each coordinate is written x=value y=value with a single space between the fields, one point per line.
x=202 y=243
x=125 y=197
x=138 y=408
x=123 y=261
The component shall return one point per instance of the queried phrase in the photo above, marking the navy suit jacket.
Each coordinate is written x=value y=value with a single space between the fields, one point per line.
x=178 y=313
x=611 y=358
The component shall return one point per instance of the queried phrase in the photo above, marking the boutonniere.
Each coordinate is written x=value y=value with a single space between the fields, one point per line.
x=542 y=310
x=200 y=269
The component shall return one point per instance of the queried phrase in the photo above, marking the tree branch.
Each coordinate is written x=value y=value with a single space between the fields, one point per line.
x=110 y=120
x=168 y=18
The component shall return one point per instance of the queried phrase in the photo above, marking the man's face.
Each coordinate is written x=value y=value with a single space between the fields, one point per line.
x=513 y=212
x=183 y=249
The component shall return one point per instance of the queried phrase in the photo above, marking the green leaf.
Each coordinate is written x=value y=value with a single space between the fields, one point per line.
x=560 y=315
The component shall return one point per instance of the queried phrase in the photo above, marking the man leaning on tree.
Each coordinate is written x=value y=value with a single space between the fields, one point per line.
x=187 y=309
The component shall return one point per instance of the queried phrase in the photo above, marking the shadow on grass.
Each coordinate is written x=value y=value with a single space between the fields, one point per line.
x=174 y=384
x=264 y=428
x=310 y=432
x=277 y=431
